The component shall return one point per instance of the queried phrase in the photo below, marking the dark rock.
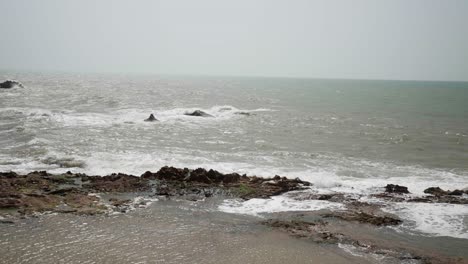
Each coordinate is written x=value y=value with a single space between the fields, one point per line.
x=420 y=200
x=362 y=217
x=64 y=191
x=8 y=174
x=389 y=197
x=435 y=191
x=118 y=202
x=393 y=188
x=325 y=197
x=151 y=118
x=456 y=192
x=118 y=183
x=198 y=113
x=10 y=84
x=243 y=113
x=10 y=203
x=314 y=231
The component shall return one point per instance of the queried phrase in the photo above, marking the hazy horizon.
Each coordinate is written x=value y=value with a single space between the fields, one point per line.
x=373 y=40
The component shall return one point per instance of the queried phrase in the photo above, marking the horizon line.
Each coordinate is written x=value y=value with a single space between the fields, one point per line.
x=222 y=75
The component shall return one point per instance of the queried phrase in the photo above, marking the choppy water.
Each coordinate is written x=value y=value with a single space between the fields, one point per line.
x=350 y=136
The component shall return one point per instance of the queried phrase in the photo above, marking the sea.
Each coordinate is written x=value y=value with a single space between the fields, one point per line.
x=350 y=136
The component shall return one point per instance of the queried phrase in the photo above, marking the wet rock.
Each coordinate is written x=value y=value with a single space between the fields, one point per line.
x=314 y=231
x=420 y=200
x=456 y=192
x=10 y=84
x=119 y=202
x=85 y=204
x=118 y=183
x=366 y=218
x=10 y=203
x=304 y=196
x=435 y=191
x=64 y=191
x=151 y=118
x=40 y=191
x=198 y=113
x=393 y=188
x=167 y=173
x=7 y=221
x=8 y=174
x=177 y=181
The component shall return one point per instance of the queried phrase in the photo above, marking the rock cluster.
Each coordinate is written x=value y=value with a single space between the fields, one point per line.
x=40 y=191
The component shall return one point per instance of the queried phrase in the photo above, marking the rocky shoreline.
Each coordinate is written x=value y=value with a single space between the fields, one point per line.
x=39 y=191
x=23 y=196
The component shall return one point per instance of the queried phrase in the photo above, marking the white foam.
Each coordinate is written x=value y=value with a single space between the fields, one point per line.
x=132 y=116
x=433 y=219
x=281 y=203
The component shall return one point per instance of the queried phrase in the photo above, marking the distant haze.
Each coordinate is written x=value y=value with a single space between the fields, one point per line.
x=368 y=39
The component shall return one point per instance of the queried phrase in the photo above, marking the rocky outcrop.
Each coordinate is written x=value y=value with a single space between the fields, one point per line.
x=151 y=118
x=363 y=217
x=117 y=183
x=393 y=188
x=40 y=191
x=175 y=181
x=319 y=231
x=198 y=113
x=436 y=191
x=10 y=84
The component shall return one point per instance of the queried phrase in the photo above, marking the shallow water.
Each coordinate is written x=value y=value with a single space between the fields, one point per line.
x=343 y=136
x=167 y=232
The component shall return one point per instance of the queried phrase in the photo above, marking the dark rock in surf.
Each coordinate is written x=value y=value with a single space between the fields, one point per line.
x=198 y=113
x=242 y=113
x=151 y=118
x=10 y=84
x=435 y=191
x=456 y=192
x=362 y=217
x=393 y=188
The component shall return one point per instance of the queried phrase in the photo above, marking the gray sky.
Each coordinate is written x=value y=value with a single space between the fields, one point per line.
x=376 y=39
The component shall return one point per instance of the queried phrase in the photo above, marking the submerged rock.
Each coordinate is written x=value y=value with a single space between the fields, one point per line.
x=393 y=188
x=151 y=118
x=315 y=231
x=198 y=113
x=10 y=84
x=362 y=217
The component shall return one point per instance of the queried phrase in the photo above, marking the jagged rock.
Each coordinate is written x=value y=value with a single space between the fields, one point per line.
x=393 y=188
x=10 y=84
x=198 y=113
x=151 y=118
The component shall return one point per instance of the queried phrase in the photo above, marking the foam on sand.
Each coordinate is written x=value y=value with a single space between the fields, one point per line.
x=281 y=203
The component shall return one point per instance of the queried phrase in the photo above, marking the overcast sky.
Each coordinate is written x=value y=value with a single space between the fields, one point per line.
x=370 y=39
